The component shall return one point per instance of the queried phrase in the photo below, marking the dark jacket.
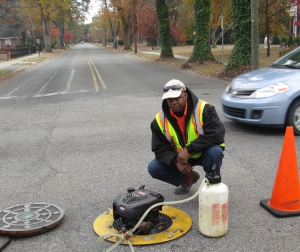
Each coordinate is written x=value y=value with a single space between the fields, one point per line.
x=214 y=132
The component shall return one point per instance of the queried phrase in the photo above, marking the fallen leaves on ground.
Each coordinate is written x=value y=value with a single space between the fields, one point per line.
x=43 y=56
x=211 y=68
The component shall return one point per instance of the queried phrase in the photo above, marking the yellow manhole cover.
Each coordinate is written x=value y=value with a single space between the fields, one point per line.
x=181 y=224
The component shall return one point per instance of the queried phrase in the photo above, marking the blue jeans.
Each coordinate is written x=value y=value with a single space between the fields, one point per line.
x=211 y=156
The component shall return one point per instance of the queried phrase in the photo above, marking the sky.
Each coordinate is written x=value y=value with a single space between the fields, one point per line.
x=93 y=11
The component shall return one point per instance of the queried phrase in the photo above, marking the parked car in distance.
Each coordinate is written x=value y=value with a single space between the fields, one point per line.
x=82 y=42
x=268 y=96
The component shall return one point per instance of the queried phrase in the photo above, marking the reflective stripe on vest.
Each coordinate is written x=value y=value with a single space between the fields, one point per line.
x=194 y=128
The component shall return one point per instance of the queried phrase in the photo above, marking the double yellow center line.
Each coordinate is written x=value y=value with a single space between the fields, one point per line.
x=93 y=71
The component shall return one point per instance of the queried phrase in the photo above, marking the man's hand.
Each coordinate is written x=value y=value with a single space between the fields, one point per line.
x=183 y=156
x=184 y=168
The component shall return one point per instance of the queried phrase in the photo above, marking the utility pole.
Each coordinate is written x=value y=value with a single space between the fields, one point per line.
x=254 y=34
x=222 y=27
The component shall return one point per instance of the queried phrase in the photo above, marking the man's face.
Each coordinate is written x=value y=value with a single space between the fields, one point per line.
x=178 y=104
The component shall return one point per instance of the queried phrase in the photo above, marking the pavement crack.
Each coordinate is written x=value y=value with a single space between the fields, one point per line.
x=53 y=171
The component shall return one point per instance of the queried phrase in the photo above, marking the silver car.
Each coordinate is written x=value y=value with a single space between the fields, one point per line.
x=268 y=96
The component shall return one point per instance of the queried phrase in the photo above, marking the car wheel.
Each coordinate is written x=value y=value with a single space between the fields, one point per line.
x=293 y=117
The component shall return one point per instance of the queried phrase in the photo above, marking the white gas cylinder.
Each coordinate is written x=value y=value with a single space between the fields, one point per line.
x=213 y=208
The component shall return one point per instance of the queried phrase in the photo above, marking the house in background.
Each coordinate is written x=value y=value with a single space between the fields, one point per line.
x=9 y=38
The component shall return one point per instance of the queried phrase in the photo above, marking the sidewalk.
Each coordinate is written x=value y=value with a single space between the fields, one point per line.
x=18 y=63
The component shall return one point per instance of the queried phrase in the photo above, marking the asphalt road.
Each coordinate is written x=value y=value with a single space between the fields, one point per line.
x=75 y=132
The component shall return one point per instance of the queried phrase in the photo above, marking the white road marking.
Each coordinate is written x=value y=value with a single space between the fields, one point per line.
x=47 y=82
x=70 y=80
x=21 y=86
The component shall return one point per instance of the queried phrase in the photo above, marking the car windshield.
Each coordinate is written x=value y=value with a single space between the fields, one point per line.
x=291 y=60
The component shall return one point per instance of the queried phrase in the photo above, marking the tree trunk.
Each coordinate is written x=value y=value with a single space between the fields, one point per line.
x=241 y=53
x=58 y=44
x=164 y=28
x=213 y=38
x=104 y=37
x=110 y=24
x=59 y=39
x=254 y=35
x=62 y=33
x=47 y=39
x=127 y=30
x=202 y=49
x=135 y=24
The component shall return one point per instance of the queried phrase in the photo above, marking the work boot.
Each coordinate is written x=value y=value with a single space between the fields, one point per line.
x=186 y=185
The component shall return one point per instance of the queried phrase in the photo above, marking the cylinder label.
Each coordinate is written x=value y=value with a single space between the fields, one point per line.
x=215 y=214
x=219 y=214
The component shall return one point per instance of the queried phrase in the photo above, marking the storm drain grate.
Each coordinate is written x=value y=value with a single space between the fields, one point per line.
x=161 y=223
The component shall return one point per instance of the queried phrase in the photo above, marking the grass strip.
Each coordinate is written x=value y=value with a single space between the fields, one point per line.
x=4 y=72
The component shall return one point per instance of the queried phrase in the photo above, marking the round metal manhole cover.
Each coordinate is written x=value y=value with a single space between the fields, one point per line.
x=161 y=223
x=30 y=219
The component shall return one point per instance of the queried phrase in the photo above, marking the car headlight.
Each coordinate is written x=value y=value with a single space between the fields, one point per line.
x=270 y=90
x=227 y=89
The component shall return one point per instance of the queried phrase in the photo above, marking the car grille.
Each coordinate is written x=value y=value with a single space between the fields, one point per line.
x=240 y=93
x=235 y=112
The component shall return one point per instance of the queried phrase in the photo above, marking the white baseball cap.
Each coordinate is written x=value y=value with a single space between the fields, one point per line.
x=173 y=89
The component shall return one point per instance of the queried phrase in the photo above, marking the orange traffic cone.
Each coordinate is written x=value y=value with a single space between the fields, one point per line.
x=285 y=199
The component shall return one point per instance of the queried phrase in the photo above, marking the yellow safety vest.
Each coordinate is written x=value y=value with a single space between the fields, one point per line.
x=194 y=129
